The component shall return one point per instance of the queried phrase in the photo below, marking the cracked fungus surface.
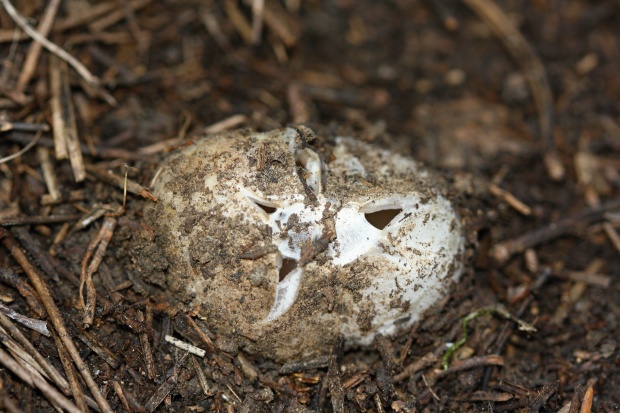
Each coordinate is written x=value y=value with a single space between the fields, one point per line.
x=284 y=248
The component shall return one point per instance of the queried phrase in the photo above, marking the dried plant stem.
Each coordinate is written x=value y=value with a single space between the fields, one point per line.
x=49 y=174
x=49 y=219
x=66 y=141
x=23 y=150
x=39 y=326
x=258 y=9
x=119 y=181
x=30 y=64
x=55 y=317
x=100 y=242
x=51 y=47
x=46 y=366
x=37 y=381
x=74 y=384
x=572 y=224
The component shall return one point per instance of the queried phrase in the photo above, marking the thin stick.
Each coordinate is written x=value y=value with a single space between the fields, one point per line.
x=34 y=380
x=30 y=64
x=23 y=150
x=510 y=199
x=66 y=139
x=225 y=124
x=258 y=10
x=37 y=325
x=101 y=241
x=37 y=220
x=147 y=352
x=113 y=179
x=47 y=367
x=58 y=128
x=613 y=235
x=49 y=175
x=51 y=47
x=19 y=337
x=8 y=277
x=73 y=382
x=238 y=20
x=91 y=13
x=116 y=15
x=575 y=223
x=55 y=317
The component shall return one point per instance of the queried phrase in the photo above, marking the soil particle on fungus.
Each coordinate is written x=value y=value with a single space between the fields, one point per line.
x=375 y=241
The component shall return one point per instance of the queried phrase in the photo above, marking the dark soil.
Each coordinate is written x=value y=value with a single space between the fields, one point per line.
x=429 y=78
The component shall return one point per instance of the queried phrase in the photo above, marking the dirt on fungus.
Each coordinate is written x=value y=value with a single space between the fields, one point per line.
x=430 y=78
x=217 y=205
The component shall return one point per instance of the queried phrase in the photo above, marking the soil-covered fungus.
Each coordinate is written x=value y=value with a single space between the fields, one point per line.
x=285 y=249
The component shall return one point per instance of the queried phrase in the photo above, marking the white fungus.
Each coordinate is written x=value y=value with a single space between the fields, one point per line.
x=284 y=248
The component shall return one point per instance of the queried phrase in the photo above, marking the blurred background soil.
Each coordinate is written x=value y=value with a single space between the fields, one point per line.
x=430 y=78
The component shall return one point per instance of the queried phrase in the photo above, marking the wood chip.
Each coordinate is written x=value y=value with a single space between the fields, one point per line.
x=185 y=346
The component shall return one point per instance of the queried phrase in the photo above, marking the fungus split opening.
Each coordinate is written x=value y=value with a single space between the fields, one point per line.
x=288 y=265
x=381 y=219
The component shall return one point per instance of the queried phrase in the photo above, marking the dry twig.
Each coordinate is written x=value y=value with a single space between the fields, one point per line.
x=45 y=365
x=55 y=317
x=121 y=182
x=35 y=380
x=100 y=242
x=73 y=382
x=570 y=225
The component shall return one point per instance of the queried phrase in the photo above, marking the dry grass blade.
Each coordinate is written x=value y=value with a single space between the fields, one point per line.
x=30 y=64
x=55 y=317
x=419 y=364
x=100 y=242
x=99 y=348
x=23 y=150
x=533 y=70
x=547 y=391
x=35 y=380
x=258 y=10
x=473 y=362
x=73 y=382
x=49 y=175
x=117 y=14
x=238 y=20
x=51 y=47
x=66 y=139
